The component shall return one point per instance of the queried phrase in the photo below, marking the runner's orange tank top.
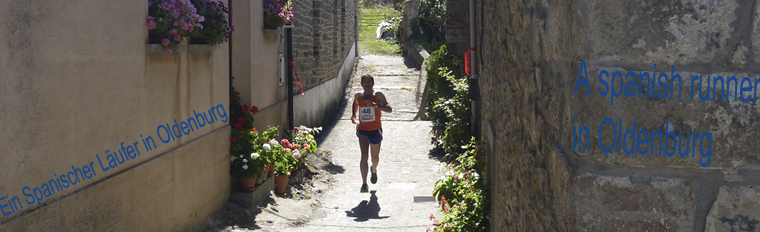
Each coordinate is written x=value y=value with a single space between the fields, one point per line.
x=369 y=117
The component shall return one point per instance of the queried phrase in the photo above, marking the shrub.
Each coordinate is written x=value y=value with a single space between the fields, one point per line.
x=449 y=106
x=433 y=23
x=464 y=196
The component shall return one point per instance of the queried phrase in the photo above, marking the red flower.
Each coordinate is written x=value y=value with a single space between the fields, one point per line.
x=240 y=120
x=285 y=143
x=296 y=146
x=245 y=108
x=233 y=139
x=253 y=129
x=432 y=217
x=254 y=109
x=239 y=126
x=306 y=147
x=231 y=77
x=446 y=208
x=230 y=98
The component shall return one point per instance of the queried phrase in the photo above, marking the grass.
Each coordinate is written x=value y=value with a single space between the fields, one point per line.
x=369 y=18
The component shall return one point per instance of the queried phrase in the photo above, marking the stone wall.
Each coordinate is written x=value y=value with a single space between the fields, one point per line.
x=323 y=37
x=458 y=27
x=531 y=55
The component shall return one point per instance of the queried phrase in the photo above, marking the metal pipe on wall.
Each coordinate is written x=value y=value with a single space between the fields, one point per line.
x=289 y=57
x=474 y=86
x=229 y=52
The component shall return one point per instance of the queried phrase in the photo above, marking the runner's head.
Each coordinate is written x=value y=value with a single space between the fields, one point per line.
x=367 y=81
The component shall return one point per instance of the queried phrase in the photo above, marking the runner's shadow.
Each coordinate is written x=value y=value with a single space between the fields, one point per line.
x=366 y=210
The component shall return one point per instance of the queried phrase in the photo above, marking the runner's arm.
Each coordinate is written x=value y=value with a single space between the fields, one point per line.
x=382 y=103
x=354 y=106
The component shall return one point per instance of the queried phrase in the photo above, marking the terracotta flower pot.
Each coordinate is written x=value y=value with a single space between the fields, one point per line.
x=281 y=183
x=247 y=185
x=270 y=170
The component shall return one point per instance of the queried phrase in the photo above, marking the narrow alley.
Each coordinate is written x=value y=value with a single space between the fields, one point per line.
x=401 y=200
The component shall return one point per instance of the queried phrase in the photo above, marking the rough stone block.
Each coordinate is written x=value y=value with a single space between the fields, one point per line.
x=736 y=209
x=673 y=32
x=633 y=203
x=730 y=123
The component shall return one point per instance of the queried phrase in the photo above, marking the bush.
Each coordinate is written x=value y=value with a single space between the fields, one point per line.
x=433 y=23
x=464 y=196
x=449 y=106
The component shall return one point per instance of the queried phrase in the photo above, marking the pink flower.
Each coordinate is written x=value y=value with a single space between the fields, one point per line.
x=168 y=52
x=166 y=42
x=296 y=154
x=175 y=13
x=173 y=31
x=176 y=37
x=149 y=17
x=151 y=25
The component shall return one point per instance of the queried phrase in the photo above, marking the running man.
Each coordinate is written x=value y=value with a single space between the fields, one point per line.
x=369 y=130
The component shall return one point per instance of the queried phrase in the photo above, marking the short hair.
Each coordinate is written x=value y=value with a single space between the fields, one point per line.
x=369 y=76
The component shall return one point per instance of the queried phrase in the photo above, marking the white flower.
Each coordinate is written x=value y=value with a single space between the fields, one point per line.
x=274 y=142
x=266 y=146
x=241 y=156
x=475 y=174
x=296 y=154
x=254 y=155
x=245 y=161
x=245 y=166
x=232 y=158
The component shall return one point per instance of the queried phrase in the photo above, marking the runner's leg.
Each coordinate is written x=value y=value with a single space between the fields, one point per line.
x=375 y=149
x=364 y=147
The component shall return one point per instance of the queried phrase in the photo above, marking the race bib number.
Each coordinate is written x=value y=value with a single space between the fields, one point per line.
x=366 y=114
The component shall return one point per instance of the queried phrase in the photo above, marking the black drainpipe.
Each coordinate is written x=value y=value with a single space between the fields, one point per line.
x=229 y=61
x=289 y=57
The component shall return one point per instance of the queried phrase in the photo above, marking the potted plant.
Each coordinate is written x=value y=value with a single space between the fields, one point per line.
x=268 y=152
x=247 y=169
x=283 y=162
x=215 y=28
x=170 y=22
x=302 y=140
x=277 y=13
x=246 y=161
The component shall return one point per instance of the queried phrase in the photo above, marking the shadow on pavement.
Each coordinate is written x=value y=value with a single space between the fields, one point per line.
x=366 y=210
x=336 y=168
x=437 y=154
